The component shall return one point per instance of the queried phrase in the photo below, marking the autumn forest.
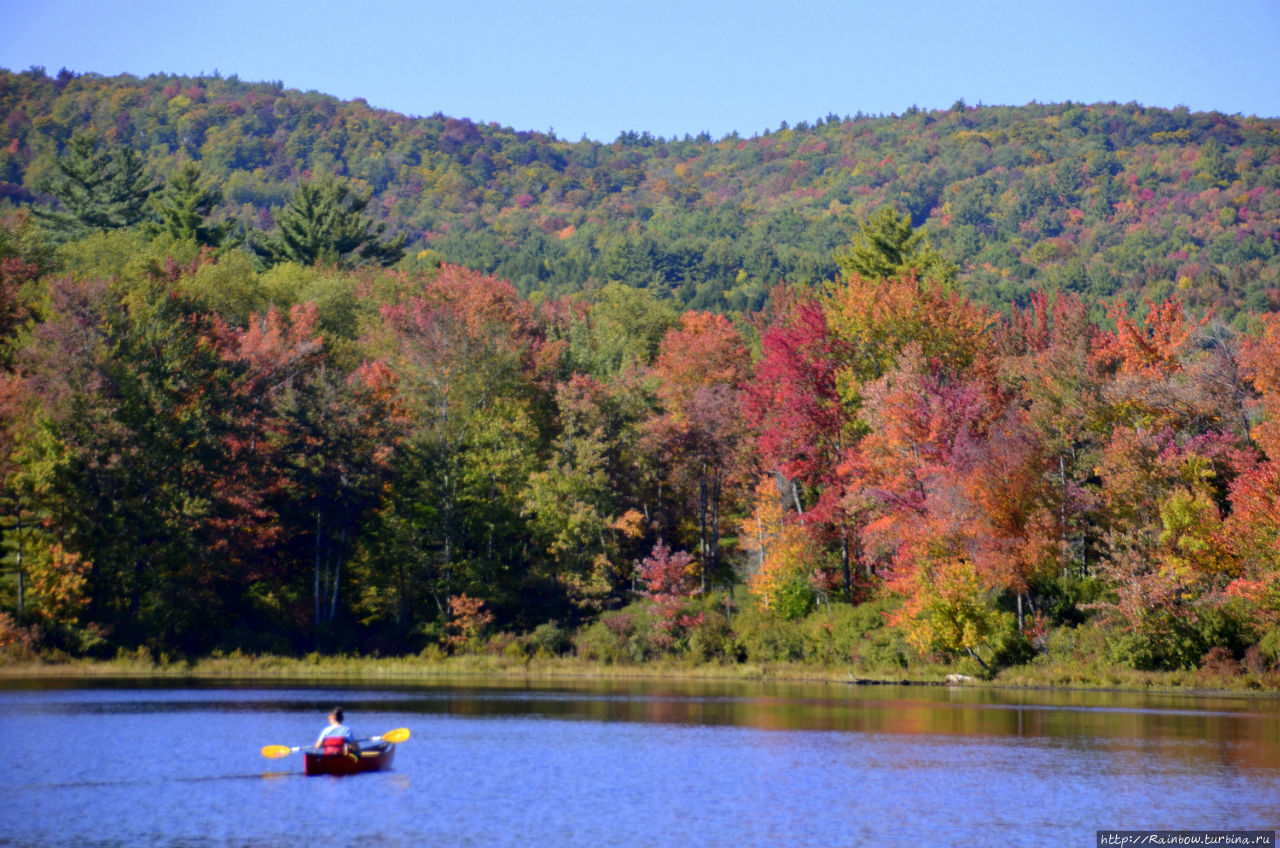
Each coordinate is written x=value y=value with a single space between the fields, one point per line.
x=986 y=388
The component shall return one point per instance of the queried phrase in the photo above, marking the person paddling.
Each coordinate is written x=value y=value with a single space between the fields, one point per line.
x=342 y=737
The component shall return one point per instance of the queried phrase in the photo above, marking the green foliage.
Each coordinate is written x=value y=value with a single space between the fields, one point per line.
x=1180 y=638
x=618 y=638
x=1269 y=646
x=230 y=287
x=1104 y=199
x=794 y=598
x=1064 y=599
x=97 y=187
x=183 y=208
x=126 y=254
x=323 y=222
x=551 y=639
x=858 y=636
x=624 y=329
x=886 y=245
x=764 y=637
x=713 y=640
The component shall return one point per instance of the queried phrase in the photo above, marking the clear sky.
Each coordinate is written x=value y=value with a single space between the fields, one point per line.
x=671 y=67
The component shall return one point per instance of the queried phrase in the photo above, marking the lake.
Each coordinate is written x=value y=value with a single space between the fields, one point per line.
x=633 y=764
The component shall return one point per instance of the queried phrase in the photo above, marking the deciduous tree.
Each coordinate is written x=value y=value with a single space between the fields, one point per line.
x=700 y=367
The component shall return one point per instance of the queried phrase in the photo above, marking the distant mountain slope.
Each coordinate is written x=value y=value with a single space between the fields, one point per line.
x=1107 y=200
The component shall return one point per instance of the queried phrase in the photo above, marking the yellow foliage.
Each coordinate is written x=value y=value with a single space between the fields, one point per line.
x=781 y=549
x=945 y=607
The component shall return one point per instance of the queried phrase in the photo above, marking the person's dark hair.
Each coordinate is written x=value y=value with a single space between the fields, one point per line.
x=336 y=712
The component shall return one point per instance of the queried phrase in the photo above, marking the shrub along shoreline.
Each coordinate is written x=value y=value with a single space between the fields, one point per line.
x=836 y=644
x=499 y=667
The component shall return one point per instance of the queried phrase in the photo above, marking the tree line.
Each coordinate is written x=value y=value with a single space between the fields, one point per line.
x=276 y=443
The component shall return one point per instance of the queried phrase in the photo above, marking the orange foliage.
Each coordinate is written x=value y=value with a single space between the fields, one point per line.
x=878 y=318
x=631 y=524
x=1261 y=360
x=1152 y=348
x=59 y=583
x=944 y=607
x=468 y=617
x=1015 y=532
x=705 y=350
x=272 y=347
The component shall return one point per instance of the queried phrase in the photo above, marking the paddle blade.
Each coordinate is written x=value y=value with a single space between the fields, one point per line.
x=398 y=735
x=275 y=752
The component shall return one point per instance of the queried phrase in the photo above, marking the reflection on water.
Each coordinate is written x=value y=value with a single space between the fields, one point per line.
x=636 y=763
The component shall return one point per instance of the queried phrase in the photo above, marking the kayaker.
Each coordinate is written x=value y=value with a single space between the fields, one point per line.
x=337 y=730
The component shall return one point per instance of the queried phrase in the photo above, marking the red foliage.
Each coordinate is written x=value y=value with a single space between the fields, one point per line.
x=670 y=579
x=792 y=400
x=273 y=353
x=666 y=574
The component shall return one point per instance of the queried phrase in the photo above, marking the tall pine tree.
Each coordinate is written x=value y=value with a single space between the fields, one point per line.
x=324 y=221
x=97 y=187
x=183 y=208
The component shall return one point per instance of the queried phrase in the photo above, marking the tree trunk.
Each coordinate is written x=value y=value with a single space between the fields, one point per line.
x=337 y=569
x=715 y=529
x=319 y=594
x=22 y=588
x=846 y=570
x=974 y=654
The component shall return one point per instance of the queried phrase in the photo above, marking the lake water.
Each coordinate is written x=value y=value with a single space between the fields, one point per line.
x=633 y=764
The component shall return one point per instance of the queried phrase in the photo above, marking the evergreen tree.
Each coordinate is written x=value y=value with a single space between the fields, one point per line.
x=887 y=246
x=183 y=208
x=98 y=187
x=324 y=222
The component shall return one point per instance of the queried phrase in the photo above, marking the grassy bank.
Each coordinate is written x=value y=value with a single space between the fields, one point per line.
x=409 y=670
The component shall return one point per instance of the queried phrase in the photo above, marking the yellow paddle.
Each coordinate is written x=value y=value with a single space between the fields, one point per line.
x=275 y=752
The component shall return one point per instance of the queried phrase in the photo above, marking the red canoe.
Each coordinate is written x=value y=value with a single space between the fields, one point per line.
x=372 y=758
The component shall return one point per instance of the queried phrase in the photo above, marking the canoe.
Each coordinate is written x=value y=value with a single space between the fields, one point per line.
x=371 y=758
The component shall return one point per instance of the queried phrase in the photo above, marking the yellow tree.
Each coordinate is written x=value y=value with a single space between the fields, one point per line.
x=782 y=554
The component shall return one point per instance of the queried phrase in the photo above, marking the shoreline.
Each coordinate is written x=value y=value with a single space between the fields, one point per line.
x=408 y=670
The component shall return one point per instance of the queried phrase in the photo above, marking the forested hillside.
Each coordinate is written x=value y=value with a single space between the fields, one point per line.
x=1099 y=200
x=867 y=394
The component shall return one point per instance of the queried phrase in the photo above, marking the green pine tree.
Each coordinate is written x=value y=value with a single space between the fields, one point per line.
x=97 y=187
x=183 y=208
x=887 y=246
x=324 y=222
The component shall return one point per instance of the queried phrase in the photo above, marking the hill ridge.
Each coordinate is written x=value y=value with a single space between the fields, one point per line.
x=1106 y=200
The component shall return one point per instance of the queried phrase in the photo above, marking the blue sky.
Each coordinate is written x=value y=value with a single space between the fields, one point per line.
x=673 y=67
